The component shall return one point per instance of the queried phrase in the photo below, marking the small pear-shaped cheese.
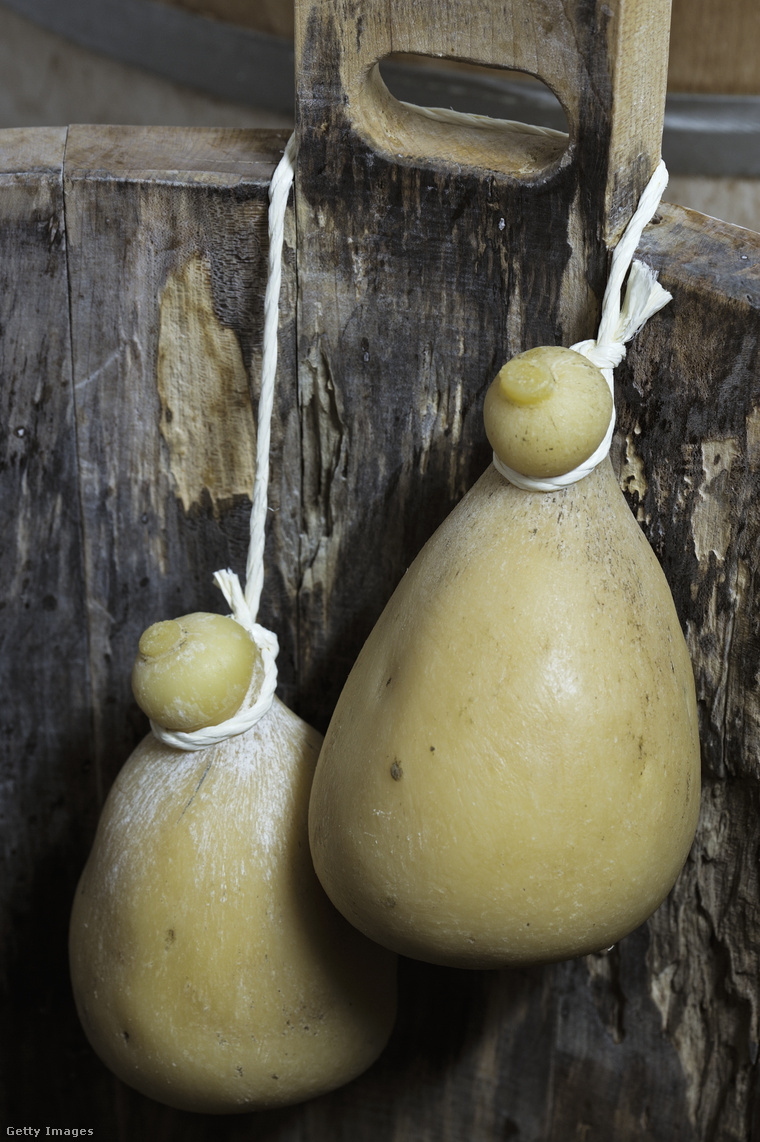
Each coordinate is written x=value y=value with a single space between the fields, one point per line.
x=210 y=971
x=511 y=774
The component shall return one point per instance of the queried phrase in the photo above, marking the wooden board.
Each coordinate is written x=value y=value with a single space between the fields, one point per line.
x=690 y=464
x=167 y=262
x=430 y=252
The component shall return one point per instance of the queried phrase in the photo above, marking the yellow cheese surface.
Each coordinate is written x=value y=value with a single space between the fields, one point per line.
x=512 y=772
x=209 y=969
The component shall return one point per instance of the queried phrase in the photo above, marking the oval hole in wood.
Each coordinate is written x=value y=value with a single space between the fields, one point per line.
x=419 y=107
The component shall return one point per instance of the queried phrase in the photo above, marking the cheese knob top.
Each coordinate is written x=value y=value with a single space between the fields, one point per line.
x=547 y=411
x=194 y=671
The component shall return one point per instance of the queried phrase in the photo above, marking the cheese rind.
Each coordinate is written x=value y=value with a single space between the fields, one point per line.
x=547 y=411
x=512 y=771
x=194 y=671
x=209 y=969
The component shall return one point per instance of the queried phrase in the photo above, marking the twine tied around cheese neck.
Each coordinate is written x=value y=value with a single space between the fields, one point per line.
x=244 y=604
x=644 y=296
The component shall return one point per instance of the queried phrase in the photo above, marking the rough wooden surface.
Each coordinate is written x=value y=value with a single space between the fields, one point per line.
x=167 y=233
x=691 y=464
x=423 y=261
x=656 y=1041
x=46 y=786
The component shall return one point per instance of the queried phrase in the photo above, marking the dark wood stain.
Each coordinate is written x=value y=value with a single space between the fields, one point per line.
x=47 y=777
x=416 y=283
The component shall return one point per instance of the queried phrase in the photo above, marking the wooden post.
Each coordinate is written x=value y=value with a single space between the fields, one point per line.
x=429 y=252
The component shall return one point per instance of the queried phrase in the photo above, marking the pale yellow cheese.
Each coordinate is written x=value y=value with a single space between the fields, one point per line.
x=193 y=671
x=209 y=969
x=511 y=774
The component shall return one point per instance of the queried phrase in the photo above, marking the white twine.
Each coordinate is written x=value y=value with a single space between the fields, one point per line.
x=245 y=604
x=644 y=296
x=279 y=189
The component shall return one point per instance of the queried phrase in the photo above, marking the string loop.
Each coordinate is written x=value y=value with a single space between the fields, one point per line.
x=244 y=605
x=619 y=323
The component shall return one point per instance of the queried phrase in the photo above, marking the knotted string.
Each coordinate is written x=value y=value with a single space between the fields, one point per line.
x=644 y=296
x=244 y=605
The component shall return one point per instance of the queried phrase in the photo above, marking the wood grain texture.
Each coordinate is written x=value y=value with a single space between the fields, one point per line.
x=46 y=775
x=167 y=263
x=420 y=274
x=692 y=462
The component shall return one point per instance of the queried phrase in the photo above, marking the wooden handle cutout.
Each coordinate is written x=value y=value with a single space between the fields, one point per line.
x=402 y=130
x=607 y=67
x=532 y=40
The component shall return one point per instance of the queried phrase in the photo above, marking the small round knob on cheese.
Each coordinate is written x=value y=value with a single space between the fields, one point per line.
x=193 y=671
x=547 y=411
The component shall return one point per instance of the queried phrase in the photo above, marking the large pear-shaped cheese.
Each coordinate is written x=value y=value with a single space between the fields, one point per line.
x=210 y=970
x=512 y=771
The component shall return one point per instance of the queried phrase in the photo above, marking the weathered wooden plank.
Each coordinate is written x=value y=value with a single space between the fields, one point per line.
x=714 y=46
x=167 y=257
x=691 y=464
x=45 y=759
x=429 y=253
